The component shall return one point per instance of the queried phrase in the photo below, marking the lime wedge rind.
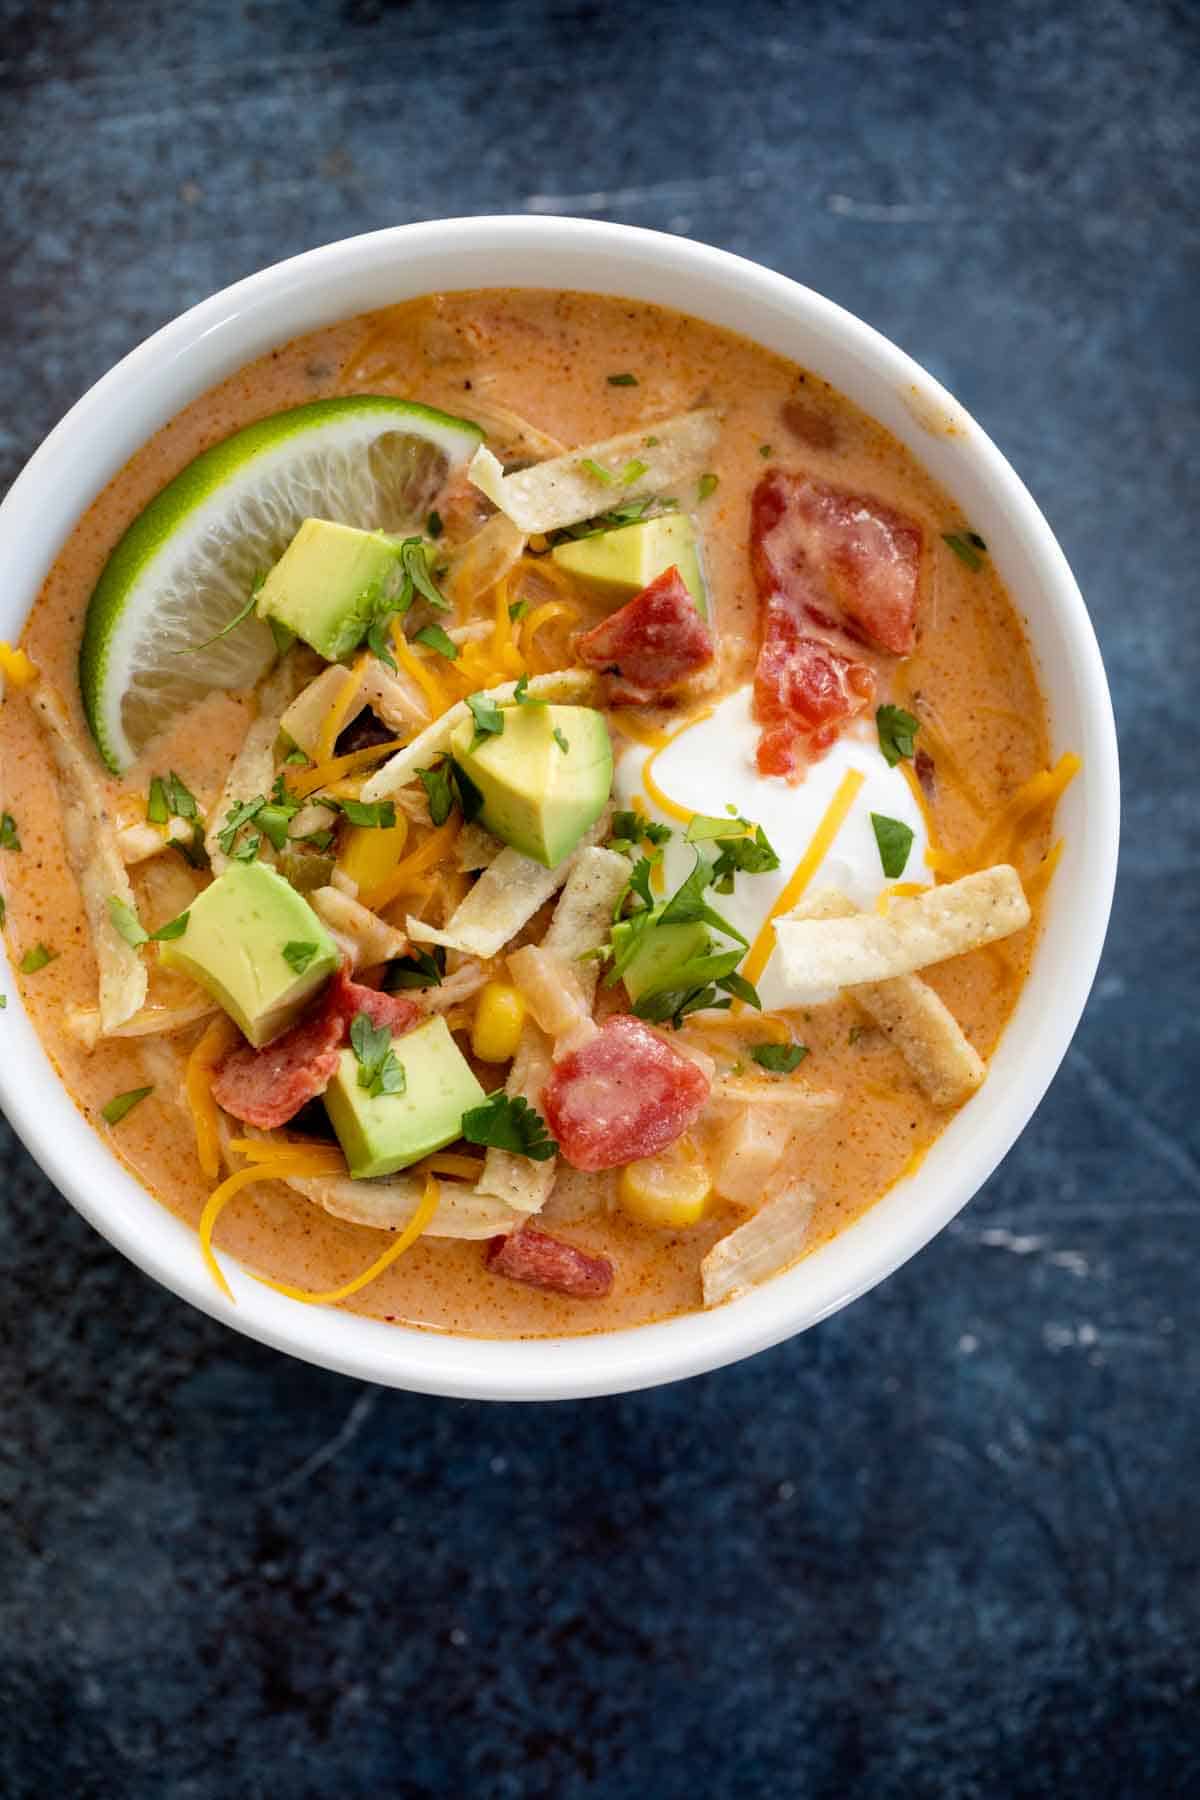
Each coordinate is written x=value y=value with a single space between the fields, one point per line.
x=186 y=564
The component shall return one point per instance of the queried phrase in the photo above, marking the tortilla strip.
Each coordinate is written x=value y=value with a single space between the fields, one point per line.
x=253 y=768
x=582 y=921
x=945 y=1063
x=753 y=1127
x=475 y=848
x=83 y=1022
x=765 y=1244
x=505 y=898
x=569 y=686
x=562 y=491
x=96 y=862
x=483 y=560
x=366 y=937
x=819 y=954
x=389 y=1204
x=397 y=701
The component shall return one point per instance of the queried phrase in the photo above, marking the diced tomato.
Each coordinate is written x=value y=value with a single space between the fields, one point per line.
x=624 y=1094
x=804 y=691
x=542 y=1261
x=268 y=1087
x=399 y=1012
x=652 y=643
x=844 y=559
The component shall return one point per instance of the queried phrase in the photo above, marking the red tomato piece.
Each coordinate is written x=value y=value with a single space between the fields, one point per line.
x=652 y=643
x=397 y=1011
x=268 y=1087
x=624 y=1094
x=844 y=559
x=542 y=1261
x=804 y=691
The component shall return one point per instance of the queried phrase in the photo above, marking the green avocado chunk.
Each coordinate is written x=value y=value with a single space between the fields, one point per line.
x=664 y=953
x=615 y=565
x=238 y=931
x=328 y=584
x=381 y=1133
x=542 y=780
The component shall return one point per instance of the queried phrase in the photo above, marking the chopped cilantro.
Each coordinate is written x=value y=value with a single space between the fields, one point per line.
x=122 y=1104
x=296 y=756
x=9 y=837
x=508 y=1122
x=419 y=969
x=126 y=922
x=894 y=838
x=489 y=720
x=707 y=485
x=298 y=955
x=249 y=847
x=243 y=612
x=192 y=849
x=378 y=643
x=966 y=547
x=591 y=467
x=764 y=450
x=438 y=640
x=560 y=739
x=521 y=693
x=518 y=609
x=237 y=817
x=439 y=791
x=652 y=442
x=856 y=1031
x=417 y=576
x=633 y=471
x=378 y=815
x=897 y=733
x=181 y=802
x=156 y=805
x=629 y=828
x=779 y=1059
x=379 y=1071
x=174 y=928
x=36 y=959
x=3 y=911
x=687 y=905
x=625 y=380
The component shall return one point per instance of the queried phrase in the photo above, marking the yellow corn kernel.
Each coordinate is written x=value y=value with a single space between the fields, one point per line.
x=16 y=667
x=499 y=1016
x=370 y=853
x=664 y=1191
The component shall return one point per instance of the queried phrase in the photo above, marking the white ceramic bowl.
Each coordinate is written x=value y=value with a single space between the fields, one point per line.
x=211 y=341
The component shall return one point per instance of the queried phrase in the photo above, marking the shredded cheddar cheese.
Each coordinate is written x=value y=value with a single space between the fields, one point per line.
x=309 y=781
x=282 y=1165
x=216 y=1042
x=1001 y=841
x=832 y=822
x=436 y=846
x=638 y=733
x=325 y=1159
x=899 y=890
x=450 y=1162
x=419 y=670
x=407 y=1238
x=338 y=713
x=661 y=799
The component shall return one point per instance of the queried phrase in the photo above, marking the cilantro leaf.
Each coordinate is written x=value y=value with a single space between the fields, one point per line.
x=241 y=614
x=174 y=928
x=708 y=484
x=181 y=802
x=36 y=959
x=742 y=990
x=489 y=720
x=779 y=1059
x=625 y=380
x=298 y=955
x=630 y=828
x=9 y=837
x=966 y=546
x=235 y=819
x=419 y=969
x=687 y=905
x=378 y=642
x=591 y=467
x=126 y=922
x=897 y=733
x=508 y=1122
x=517 y=610
x=894 y=838
x=122 y=1104
x=156 y=805
x=379 y=1071
x=633 y=471
x=416 y=569
x=377 y=815
x=439 y=792
x=436 y=639
x=560 y=739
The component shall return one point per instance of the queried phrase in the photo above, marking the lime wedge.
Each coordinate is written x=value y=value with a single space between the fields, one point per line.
x=186 y=565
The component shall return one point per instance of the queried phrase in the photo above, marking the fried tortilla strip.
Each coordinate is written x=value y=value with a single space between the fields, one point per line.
x=389 y=1204
x=945 y=1063
x=395 y=699
x=565 y=490
x=96 y=862
x=762 y=1247
x=83 y=1022
x=366 y=938
x=253 y=768
x=819 y=954
x=582 y=921
x=574 y=687
x=475 y=848
x=483 y=560
x=505 y=898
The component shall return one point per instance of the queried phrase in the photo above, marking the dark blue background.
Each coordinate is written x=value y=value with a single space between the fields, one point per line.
x=945 y=1544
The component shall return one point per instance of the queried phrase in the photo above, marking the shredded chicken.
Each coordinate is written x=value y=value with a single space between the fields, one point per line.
x=253 y=769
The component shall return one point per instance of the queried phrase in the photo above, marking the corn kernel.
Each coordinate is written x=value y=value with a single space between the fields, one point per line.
x=369 y=853
x=16 y=667
x=499 y=1016
x=669 y=1192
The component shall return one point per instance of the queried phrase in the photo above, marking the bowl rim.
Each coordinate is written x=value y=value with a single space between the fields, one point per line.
x=177 y=363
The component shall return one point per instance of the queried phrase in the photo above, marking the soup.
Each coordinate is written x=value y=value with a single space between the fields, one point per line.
x=638 y=765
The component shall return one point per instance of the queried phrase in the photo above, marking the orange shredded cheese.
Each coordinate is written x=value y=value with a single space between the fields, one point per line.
x=304 y=782
x=407 y=1238
x=16 y=667
x=416 y=667
x=449 y=1162
x=277 y=1169
x=337 y=715
x=663 y=800
x=832 y=822
x=1040 y=880
x=899 y=890
x=220 y=1037
x=325 y=1159
x=638 y=733
x=1001 y=840
x=437 y=845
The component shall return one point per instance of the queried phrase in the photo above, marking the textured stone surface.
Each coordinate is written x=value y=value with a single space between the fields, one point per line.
x=945 y=1544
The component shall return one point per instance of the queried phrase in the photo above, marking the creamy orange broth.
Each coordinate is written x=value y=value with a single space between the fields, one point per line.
x=545 y=355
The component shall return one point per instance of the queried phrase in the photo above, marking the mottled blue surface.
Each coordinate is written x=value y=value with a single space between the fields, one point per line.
x=947 y=1543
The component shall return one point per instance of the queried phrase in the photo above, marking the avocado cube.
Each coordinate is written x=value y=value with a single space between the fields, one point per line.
x=381 y=1133
x=328 y=584
x=660 y=961
x=543 y=780
x=234 y=944
x=615 y=565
